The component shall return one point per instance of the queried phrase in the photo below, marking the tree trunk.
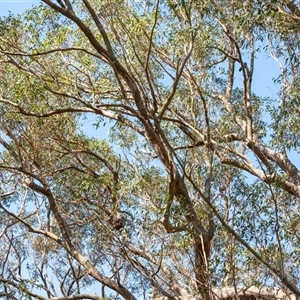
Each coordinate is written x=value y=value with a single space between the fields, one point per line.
x=202 y=246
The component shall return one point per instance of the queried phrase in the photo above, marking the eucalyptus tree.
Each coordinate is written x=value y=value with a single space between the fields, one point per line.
x=195 y=192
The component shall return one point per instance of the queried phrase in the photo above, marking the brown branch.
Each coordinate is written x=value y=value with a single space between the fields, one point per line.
x=100 y=27
x=37 y=53
x=176 y=81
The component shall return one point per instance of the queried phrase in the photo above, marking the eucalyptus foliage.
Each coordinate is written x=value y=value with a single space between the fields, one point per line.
x=186 y=186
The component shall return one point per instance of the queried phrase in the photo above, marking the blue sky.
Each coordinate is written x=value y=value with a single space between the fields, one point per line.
x=15 y=6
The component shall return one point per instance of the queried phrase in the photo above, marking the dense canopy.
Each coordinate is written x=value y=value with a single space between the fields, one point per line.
x=150 y=150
